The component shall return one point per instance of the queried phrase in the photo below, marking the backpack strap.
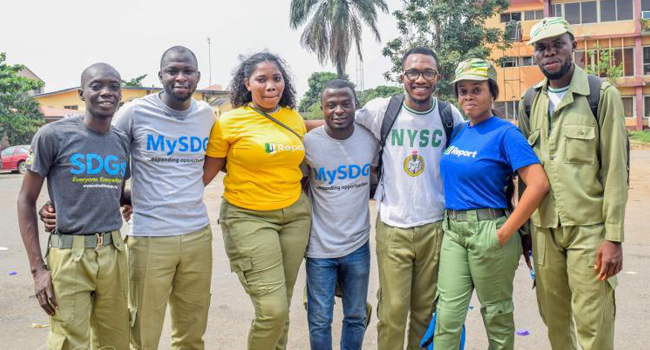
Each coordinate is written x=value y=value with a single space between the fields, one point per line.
x=529 y=98
x=394 y=107
x=595 y=83
x=447 y=120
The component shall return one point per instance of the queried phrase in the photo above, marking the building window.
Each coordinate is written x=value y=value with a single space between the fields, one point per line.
x=646 y=60
x=589 y=13
x=533 y=15
x=509 y=62
x=74 y=107
x=645 y=5
x=507 y=109
x=646 y=106
x=580 y=59
x=628 y=106
x=556 y=10
x=572 y=12
x=625 y=57
x=624 y=10
x=510 y=16
x=527 y=61
x=608 y=11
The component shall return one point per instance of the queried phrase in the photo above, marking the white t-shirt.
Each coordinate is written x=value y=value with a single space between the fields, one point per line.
x=410 y=193
x=167 y=155
x=555 y=96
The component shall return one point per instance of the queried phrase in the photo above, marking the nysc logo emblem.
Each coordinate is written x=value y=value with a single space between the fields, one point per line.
x=414 y=164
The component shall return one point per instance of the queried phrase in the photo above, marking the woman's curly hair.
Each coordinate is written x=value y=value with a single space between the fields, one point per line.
x=240 y=96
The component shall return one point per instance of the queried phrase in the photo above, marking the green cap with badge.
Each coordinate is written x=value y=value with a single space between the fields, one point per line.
x=475 y=69
x=548 y=28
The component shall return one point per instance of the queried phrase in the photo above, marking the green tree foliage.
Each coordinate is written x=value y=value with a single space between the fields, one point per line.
x=135 y=82
x=455 y=29
x=333 y=25
x=380 y=91
x=602 y=64
x=316 y=82
x=20 y=115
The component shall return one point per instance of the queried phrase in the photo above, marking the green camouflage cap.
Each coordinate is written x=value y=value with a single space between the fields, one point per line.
x=475 y=69
x=548 y=28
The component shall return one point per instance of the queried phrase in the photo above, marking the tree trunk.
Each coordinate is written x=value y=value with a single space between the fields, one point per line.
x=340 y=71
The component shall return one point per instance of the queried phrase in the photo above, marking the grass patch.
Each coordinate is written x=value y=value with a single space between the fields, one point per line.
x=640 y=136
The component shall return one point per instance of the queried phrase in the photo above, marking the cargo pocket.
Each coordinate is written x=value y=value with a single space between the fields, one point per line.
x=499 y=308
x=580 y=144
x=240 y=266
x=55 y=341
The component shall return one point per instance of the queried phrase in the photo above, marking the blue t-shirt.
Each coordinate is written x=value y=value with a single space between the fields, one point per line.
x=476 y=165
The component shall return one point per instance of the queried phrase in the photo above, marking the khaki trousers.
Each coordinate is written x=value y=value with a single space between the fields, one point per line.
x=174 y=269
x=266 y=249
x=572 y=302
x=91 y=288
x=407 y=259
x=472 y=258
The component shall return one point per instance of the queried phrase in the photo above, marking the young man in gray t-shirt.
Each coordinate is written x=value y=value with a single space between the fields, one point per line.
x=339 y=155
x=85 y=161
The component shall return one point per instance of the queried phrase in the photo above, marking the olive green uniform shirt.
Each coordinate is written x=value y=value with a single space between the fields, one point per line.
x=585 y=159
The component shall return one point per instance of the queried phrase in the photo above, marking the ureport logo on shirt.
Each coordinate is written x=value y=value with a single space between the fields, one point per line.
x=455 y=151
x=272 y=148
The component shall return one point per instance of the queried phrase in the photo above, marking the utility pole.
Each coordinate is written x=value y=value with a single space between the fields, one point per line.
x=210 y=62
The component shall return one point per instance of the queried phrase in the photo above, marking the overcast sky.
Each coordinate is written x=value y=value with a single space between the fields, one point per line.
x=57 y=39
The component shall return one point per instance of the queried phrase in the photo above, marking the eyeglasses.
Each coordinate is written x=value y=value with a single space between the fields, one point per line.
x=414 y=74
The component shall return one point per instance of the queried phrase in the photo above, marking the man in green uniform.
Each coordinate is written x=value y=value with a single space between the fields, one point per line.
x=84 y=285
x=578 y=229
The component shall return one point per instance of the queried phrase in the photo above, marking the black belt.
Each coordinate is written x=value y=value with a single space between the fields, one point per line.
x=482 y=214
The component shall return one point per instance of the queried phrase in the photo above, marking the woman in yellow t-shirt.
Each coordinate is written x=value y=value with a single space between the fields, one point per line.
x=265 y=217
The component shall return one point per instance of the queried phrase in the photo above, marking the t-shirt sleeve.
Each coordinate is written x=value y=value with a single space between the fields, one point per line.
x=43 y=151
x=218 y=143
x=371 y=115
x=123 y=120
x=517 y=151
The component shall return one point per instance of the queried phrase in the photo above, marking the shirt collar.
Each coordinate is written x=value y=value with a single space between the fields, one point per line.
x=579 y=82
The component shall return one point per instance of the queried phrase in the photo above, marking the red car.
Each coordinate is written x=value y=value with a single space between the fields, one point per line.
x=13 y=158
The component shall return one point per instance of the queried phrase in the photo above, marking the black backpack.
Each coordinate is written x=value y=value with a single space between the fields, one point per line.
x=595 y=84
x=394 y=107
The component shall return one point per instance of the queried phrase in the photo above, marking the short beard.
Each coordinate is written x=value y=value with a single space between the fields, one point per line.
x=177 y=98
x=562 y=72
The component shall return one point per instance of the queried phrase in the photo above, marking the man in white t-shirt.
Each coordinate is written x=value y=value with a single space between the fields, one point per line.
x=170 y=239
x=410 y=202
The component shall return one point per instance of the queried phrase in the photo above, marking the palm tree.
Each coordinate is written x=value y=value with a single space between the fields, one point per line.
x=332 y=26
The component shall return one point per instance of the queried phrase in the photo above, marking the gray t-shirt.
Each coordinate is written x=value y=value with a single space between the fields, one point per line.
x=339 y=188
x=85 y=171
x=168 y=151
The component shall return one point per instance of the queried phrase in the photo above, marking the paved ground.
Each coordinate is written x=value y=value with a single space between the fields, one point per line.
x=231 y=310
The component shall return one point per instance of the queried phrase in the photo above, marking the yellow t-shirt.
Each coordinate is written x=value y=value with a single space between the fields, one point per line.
x=263 y=157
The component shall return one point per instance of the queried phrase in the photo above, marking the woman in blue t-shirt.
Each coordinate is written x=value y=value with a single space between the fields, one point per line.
x=481 y=245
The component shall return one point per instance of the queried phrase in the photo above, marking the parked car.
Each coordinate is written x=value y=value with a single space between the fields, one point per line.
x=13 y=158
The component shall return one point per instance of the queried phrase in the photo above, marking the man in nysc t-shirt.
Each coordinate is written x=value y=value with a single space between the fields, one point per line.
x=339 y=155
x=410 y=202
x=85 y=162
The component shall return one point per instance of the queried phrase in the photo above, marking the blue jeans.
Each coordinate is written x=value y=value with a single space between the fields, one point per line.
x=351 y=271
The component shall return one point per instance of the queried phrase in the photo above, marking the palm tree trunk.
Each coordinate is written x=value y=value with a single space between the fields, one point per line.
x=340 y=71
